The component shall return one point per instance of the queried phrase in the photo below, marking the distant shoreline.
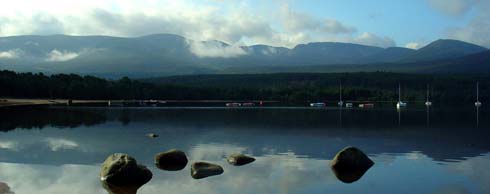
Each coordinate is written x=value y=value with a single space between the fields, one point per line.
x=7 y=103
x=14 y=102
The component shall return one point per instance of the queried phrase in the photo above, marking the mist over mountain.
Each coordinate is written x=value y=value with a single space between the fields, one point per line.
x=168 y=54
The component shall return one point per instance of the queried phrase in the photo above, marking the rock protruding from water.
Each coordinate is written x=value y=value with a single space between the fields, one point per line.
x=350 y=164
x=201 y=170
x=121 y=174
x=152 y=135
x=239 y=159
x=171 y=160
x=5 y=189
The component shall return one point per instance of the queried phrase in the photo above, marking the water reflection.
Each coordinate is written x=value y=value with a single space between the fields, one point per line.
x=283 y=117
x=293 y=148
x=30 y=118
x=399 y=116
x=271 y=174
x=428 y=116
x=477 y=116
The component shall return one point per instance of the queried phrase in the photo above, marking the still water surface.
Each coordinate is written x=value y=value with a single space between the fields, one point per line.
x=59 y=150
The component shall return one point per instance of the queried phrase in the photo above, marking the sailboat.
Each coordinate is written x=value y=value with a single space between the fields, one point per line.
x=427 y=101
x=340 y=103
x=477 y=103
x=400 y=104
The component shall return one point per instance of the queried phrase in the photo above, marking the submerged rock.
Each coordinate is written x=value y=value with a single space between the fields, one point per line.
x=350 y=164
x=201 y=170
x=5 y=189
x=121 y=174
x=152 y=135
x=239 y=159
x=171 y=160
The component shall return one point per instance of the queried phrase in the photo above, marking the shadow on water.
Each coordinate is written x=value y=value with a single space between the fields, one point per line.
x=38 y=118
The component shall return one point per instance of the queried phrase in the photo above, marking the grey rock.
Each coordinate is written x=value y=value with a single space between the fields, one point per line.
x=152 y=135
x=350 y=164
x=121 y=174
x=171 y=160
x=5 y=189
x=239 y=159
x=201 y=170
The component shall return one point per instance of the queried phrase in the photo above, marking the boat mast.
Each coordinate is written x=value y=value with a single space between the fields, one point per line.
x=399 y=92
x=477 y=92
x=340 y=91
x=427 y=92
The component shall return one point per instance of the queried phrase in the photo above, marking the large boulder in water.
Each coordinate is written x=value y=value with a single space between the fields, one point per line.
x=239 y=159
x=350 y=164
x=5 y=189
x=201 y=170
x=121 y=174
x=171 y=160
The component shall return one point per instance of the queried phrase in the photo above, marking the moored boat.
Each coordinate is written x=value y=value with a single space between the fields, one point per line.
x=478 y=103
x=427 y=101
x=233 y=104
x=340 y=103
x=349 y=105
x=248 y=104
x=366 y=105
x=318 y=104
x=400 y=104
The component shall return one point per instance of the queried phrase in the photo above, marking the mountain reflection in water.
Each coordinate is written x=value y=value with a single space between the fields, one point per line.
x=293 y=148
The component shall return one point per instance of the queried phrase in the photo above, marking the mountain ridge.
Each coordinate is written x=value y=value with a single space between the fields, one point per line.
x=170 y=54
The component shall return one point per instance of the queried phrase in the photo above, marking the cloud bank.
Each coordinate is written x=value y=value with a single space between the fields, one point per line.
x=10 y=54
x=215 y=49
x=477 y=29
x=57 y=144
x=374 y=40
x=230 y=21
x=60 y=56
x=453 y=7
x=413 y=45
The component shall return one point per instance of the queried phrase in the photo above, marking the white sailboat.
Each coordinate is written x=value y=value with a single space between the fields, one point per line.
x=340 y=103
x=400 y=104
x=477 y=103
x=427 y=101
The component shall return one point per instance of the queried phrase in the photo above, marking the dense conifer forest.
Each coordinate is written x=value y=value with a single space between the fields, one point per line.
x=284 y=87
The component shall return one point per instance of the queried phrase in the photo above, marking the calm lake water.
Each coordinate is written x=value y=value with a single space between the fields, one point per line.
x=59 y=150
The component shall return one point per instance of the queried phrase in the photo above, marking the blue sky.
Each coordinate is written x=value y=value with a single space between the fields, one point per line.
x=403 y=20
x=384 y=23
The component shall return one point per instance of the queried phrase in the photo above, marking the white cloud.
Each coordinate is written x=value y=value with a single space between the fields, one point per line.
x=471 y=168
x=229 y=21
x=367 y=38
x=477 y=30
x=10 y=54
x=42 y=179
x=56 y=144
x=269 y=51
x=453 y=7
x=11 y=145
x=60 y=56
x=215 y=49
x=412 y=45
x=300 y=22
